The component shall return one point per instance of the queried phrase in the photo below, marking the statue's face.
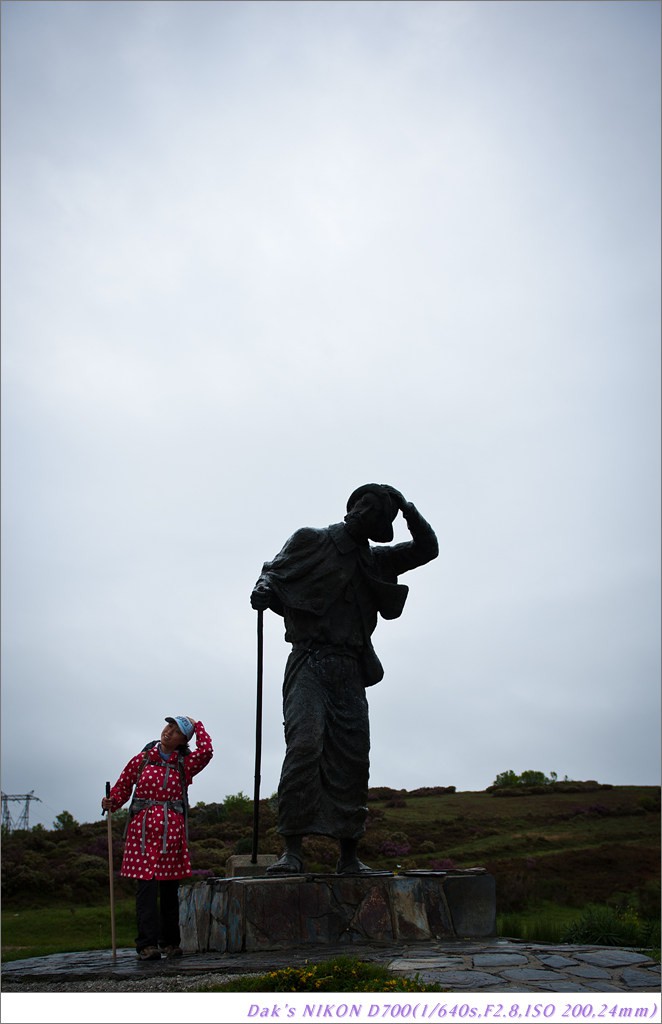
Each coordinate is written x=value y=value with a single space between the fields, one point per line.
x=380 y=528
x=376 y=517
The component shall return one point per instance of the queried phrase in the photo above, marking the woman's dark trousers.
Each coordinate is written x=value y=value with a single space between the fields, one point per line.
x=157 y=913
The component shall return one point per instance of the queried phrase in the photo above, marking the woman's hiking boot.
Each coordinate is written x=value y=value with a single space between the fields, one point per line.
x=171 y=951
x=149 y=953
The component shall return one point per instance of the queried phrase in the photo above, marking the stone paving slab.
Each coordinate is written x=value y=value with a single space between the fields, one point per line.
x=500 y=965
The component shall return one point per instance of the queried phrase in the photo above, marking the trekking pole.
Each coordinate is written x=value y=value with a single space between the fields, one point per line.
x=110 y=875
x=258 y=735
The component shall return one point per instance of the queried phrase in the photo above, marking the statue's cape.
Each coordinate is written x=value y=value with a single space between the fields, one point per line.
x=315 y=566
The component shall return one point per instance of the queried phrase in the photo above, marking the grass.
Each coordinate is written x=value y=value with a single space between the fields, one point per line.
x=547 y=923
x=593 y=925
x=550 y=854
x=613 y=926
x=47 y=930
x=41 y=932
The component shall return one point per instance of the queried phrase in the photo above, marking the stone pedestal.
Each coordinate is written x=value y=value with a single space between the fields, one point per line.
x=242 y=914
x=241 y=866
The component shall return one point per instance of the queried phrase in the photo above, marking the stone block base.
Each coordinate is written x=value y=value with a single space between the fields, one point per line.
x=241 y=866
x=236 y=915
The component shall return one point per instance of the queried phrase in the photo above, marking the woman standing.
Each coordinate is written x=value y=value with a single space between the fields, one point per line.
x=156 y=847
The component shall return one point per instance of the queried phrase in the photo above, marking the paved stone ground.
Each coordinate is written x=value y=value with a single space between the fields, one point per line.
x=498 y=965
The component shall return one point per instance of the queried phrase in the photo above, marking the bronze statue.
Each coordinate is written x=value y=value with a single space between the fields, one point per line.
x=329 y=585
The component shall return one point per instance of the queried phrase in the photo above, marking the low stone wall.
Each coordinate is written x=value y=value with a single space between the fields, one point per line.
x=234 y=915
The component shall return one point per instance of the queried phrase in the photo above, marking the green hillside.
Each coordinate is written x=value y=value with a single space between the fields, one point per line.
x=568 y=843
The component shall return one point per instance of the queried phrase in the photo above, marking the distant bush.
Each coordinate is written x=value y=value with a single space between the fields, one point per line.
x=594 y=810
x=65 y=821
x=208 y=814
x=374 y=814
x=432 y=791
x=23 y=878
x=650 y=804
x=238 y=806
x=319 y=851
x=385 y=793
x=531 y=783
x=391 y=849
x=602 y=811
x=609 y=926
x=528 y=778
x=396 y=844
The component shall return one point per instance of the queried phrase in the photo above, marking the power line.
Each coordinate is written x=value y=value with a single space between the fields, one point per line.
x=23 y=821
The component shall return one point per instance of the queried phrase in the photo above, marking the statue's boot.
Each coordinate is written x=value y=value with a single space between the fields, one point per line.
x=288 y=864
x=291 y=862
x=349 y=863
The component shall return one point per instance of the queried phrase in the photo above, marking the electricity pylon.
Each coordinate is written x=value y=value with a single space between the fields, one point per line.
x=23 y=821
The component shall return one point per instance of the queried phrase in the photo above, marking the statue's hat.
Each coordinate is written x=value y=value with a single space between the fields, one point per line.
x=382 y=491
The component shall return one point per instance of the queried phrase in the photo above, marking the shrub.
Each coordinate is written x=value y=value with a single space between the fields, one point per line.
x=609 y=926
x=395 y=845
x=374 y=814
x=65 y=821
x=506 y=780
x=391 y=849
x=205 y=814
x=210 y=845
x=320 y=851
x=24 y=879
x=531 y=778
x=648 y=899
x=238 y=806
x=384 y=793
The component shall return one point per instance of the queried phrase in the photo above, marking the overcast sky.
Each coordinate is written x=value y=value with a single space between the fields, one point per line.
x=257 y=254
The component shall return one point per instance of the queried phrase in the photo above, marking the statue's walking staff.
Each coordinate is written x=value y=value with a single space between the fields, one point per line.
x=110 y=875
x=258 y=735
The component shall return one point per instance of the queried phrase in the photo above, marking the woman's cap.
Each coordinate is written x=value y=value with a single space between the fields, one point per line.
x=184 y=724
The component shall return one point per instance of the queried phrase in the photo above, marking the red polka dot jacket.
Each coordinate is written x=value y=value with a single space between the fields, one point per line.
x=156 y=844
